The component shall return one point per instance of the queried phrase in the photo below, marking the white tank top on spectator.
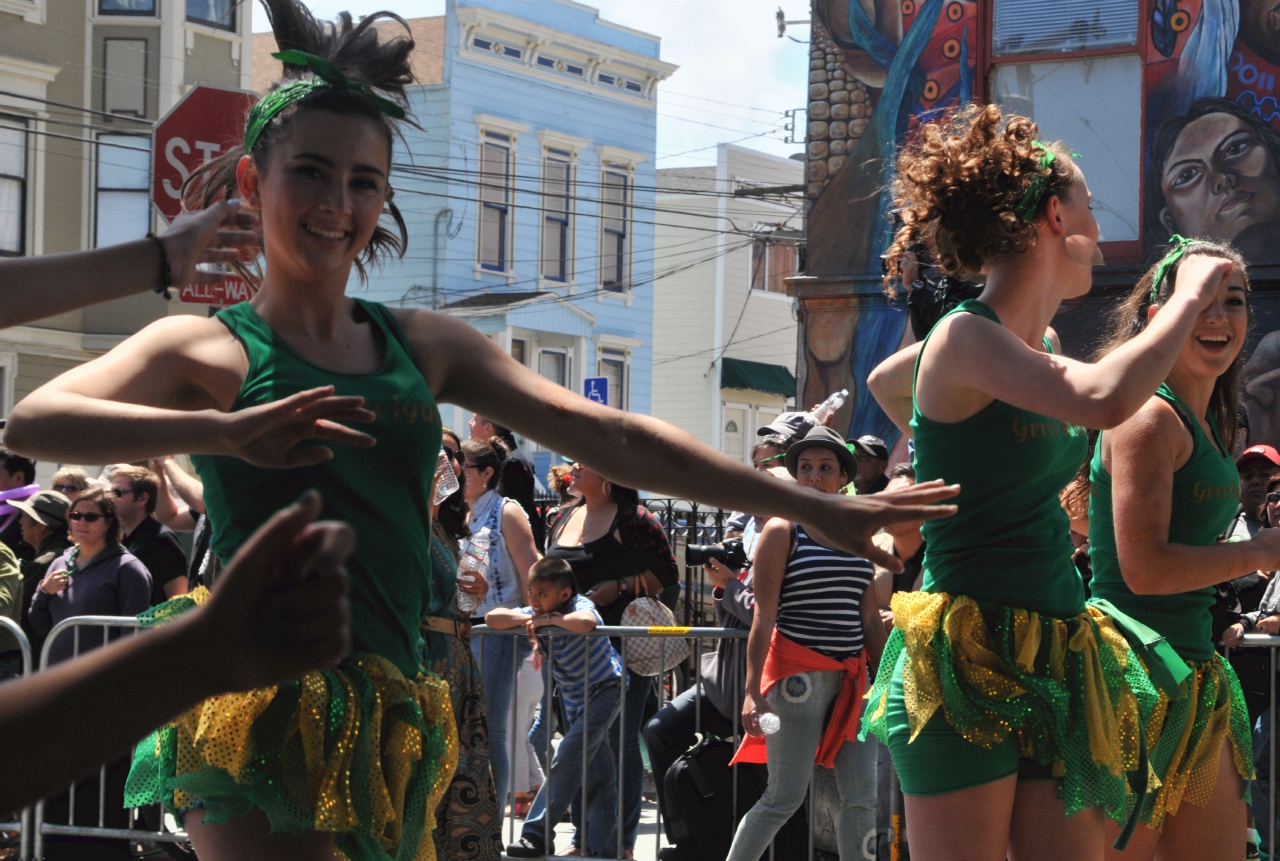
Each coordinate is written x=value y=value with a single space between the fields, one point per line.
x=504 y=586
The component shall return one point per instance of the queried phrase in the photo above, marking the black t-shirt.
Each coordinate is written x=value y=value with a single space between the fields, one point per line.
x=516 y=482
x=158 y=548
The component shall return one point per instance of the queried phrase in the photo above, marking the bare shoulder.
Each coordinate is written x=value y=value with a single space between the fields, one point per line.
x=1155 y=428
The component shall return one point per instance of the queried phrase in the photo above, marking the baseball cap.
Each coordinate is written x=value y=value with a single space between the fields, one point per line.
x=48 y=507
x=1263 y=451
x=872 y=446
x=788 y=425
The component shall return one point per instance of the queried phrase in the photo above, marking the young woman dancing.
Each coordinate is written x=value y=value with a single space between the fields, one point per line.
x=1010 y=709
x=1164 y=487
x=350 y=761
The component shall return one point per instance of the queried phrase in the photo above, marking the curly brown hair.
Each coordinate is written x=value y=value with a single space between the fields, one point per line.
x=359 y=52
x=958 y=185
x=1130 y=317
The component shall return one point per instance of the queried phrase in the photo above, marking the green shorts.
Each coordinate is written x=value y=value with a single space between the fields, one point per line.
x=941 y=760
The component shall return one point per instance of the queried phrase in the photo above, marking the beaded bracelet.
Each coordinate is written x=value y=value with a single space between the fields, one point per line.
x=166 y=273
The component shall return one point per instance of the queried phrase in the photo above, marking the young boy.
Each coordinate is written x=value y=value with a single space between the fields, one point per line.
x=589 y=712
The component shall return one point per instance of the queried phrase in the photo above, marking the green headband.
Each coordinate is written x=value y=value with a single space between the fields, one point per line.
x=1180 y=246
x=1030 y=203
x=326 y=75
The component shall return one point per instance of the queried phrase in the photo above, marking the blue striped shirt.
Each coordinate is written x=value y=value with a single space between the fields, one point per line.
x=573 y=656
x=820 y=605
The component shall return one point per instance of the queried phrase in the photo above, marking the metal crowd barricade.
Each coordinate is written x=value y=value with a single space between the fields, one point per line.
x=697 y=636
x=40 y=828
x=1266 y=641
x=23 y=825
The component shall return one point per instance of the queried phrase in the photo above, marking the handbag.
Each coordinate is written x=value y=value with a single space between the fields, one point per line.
x=653 y=655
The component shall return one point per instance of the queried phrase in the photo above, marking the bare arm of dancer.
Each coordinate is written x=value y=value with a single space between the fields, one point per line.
x=974 y=355
x=464 y=367
x=177 y=516
x=770 y=566
x=279 y=610
x=32 y=288
x=1142 y=455
x=890 y=384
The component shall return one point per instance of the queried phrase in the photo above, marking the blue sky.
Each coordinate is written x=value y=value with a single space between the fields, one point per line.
x=736 y=76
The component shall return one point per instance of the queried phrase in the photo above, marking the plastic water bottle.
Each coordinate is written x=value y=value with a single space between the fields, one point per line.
x=446 y=480
x=770 y=723
x=827 y=408
x=475 y=558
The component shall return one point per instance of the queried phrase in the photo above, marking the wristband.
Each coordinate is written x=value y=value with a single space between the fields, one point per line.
x=166 y=273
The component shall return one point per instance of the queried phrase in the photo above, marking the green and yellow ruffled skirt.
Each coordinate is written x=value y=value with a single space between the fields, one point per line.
x=1070 y=692
x=1185 y=736
x=357 y=749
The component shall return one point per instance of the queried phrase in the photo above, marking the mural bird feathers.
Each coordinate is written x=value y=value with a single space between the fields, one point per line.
x=1163 y=36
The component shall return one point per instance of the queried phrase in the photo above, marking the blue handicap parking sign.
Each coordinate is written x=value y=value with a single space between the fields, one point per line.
x=596 y=389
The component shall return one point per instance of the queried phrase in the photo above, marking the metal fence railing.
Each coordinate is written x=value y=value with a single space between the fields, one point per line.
x=23 y=826
x=667 y=687
x=75 y=625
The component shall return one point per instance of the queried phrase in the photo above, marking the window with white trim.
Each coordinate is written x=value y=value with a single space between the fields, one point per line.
x=496 y=197
x=554 y=365
x=557 y=214
x=772 y=262
x=213 y=13
x=612 y=365
x=126 y=7
x=13 y=186
x=123 y=190
x=615 y=228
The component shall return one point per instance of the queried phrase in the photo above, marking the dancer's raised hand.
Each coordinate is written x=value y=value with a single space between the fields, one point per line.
x=282 y=434
x=213 y=235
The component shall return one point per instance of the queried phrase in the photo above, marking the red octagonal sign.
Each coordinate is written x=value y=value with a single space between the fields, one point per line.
x=206 y=122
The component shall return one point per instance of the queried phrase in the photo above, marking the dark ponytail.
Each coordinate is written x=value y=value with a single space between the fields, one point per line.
x=358 y=52
x=486 y=454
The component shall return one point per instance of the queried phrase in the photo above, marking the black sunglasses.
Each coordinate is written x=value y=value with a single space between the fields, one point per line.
x=1273 y=496
x=118 y=492
x=86 y=516
x=66 y=488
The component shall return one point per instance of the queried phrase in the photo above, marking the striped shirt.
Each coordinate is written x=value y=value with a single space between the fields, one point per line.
x=573 y=656
x=820 y=605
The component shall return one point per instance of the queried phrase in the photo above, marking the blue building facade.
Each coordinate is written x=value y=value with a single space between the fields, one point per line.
x=529 y=190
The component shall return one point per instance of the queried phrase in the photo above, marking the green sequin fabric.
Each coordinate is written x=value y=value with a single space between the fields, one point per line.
x=1070 y=691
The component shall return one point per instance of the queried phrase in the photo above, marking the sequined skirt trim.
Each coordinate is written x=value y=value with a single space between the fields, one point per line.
x=357 y=749
x=1185 y=737
x=1069 y=690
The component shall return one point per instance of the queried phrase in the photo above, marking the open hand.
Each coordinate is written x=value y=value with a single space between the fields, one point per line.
x=274 y=435
x=280 y=607
x=1199 y=277
x=848 y=522
x=213 y=235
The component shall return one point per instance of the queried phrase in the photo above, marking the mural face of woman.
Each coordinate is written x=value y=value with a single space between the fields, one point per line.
x=1219 y=180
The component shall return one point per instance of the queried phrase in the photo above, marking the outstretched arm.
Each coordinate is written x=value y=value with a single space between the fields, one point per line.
x=32 y=288
x=973 y=352
x=279 y=610
x=464 y=367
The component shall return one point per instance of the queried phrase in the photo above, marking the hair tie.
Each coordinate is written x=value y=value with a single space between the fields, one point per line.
x=326 y=76
x=1180 y=246
x=1030 y=203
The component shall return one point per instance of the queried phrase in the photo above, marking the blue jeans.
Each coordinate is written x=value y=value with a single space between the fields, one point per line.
x=499 y=658
x=638 y=689
x=564 y=777
x=801 y=702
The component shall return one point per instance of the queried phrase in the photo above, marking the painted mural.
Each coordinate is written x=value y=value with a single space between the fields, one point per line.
x=1213 y=155
x=878 y=69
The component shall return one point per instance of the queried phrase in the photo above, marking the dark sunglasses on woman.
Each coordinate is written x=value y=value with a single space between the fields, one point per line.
x=86 y=516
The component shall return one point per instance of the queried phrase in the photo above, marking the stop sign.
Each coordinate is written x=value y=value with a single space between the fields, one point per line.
x=206 y=122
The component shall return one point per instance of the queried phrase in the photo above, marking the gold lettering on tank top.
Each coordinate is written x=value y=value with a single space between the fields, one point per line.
x=408 y=412
x=1202 y=492
x=1024 y=430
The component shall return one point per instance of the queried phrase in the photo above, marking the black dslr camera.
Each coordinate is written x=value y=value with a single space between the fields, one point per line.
x=731 y=554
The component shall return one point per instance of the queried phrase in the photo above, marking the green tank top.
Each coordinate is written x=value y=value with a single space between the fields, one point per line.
x=1010 y=541
x=1206 y=494
x=384 y=492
